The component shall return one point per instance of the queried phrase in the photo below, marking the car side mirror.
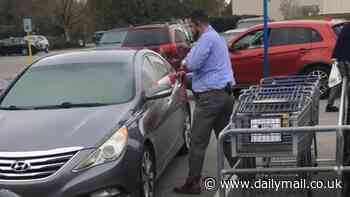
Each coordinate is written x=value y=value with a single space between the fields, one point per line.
x=232 y=48
x=158 y=92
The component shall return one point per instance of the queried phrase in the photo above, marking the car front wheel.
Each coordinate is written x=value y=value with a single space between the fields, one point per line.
x=147 y=173
x=187 y=134
x=323 y=72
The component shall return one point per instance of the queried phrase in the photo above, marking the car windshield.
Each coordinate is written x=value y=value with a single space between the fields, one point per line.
x=146 y=37
x=99 y=83
x=113 y=37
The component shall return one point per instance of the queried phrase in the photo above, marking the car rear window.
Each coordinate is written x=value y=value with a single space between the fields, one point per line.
x=296 y=35
x=146 y=37
x=113 y=37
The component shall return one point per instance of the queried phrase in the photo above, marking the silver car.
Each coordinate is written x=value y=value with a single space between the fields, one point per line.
x=91 y=123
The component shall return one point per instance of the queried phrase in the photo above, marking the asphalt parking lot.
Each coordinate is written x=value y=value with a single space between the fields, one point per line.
x=177 y=170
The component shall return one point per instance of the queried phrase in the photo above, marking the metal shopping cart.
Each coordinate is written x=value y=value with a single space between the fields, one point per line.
x=274 y=107
x=308 y=81
x=277 y=119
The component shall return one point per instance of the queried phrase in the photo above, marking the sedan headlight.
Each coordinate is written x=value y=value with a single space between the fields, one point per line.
x=109 y=151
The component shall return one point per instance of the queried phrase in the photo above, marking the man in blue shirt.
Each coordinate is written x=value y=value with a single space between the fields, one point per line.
x=212 y=82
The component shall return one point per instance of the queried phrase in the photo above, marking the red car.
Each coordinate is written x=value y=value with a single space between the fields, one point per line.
x=296 y=47
x=169 y=40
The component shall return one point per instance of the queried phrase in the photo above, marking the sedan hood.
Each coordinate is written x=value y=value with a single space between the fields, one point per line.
x=37 y=130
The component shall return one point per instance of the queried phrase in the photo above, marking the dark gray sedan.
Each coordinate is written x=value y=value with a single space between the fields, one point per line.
x=91 y=123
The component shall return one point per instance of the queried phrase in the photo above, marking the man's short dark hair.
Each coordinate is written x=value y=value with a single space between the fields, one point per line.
x=199 y=16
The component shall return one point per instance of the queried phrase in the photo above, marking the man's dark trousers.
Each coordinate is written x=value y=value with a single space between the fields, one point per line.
x=213 y=111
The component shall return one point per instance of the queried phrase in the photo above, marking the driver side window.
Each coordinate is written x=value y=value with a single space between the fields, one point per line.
x=148 y=75
x=251 y=41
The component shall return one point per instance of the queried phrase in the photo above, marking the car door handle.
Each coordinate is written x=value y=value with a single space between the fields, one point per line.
x=260 y=55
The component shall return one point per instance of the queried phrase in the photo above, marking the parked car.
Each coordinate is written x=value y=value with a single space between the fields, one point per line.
x=97 y=36
x=40 y=42
x=230 y=34
x=296 y=47
x=19 y=45
x=169 y=40
x=114 y=37
x=187 y=29
x=250 y=22
x=91 y=123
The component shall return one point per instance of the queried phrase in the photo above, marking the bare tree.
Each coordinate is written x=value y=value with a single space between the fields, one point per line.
x=69 y=13
x=290 y=9
x=286 y=8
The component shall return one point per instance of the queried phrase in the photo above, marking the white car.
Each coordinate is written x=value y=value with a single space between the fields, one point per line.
x=39 y=42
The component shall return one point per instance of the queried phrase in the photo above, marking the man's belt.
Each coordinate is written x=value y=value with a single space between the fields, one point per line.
x=213 y=92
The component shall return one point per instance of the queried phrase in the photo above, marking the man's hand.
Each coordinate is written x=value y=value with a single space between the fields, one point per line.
x=183 y=67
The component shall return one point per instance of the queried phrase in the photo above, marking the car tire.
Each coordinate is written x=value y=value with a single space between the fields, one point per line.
x=148 y=174
x=324 y=72
x=187 y=134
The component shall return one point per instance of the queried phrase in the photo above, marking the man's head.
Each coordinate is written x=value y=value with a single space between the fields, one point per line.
x=199 y=21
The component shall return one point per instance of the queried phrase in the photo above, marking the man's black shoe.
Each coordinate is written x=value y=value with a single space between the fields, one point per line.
x=192 y=186
x=331 y=108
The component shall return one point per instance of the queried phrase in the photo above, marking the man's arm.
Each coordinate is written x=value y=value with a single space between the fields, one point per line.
x=198 y=54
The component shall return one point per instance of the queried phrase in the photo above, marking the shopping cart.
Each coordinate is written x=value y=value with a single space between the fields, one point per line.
x=291 y=79
x=277 y=119
x=274 y=107
x=310 y=81
x=311 y=87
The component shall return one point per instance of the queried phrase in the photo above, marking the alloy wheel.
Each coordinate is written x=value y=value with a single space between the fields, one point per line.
x=148 y=174
x=187 y=131
x=323 y=80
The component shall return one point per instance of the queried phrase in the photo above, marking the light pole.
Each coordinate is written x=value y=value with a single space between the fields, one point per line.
x=266 y=38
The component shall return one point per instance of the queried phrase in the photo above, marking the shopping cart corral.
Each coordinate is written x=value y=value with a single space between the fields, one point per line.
x=276 y=122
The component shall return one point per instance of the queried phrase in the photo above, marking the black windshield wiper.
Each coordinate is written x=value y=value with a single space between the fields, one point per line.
x=13 y=107
x=110 y=43
x=69 y=105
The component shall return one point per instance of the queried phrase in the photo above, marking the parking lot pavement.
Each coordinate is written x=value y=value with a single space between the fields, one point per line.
x=176 y=172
